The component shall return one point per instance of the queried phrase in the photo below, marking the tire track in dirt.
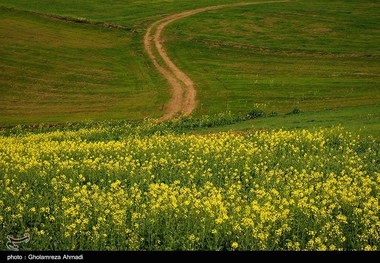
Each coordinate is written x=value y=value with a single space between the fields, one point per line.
x=183 y=99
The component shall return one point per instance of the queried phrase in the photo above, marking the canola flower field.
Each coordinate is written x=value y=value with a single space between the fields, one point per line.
x=94 y=188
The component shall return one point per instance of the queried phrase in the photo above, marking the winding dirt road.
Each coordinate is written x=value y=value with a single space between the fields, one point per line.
x=183 y=100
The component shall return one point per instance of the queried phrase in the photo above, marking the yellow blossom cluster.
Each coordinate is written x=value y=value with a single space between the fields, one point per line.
x=261 y=190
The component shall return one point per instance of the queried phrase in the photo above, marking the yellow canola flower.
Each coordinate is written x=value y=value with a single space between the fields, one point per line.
x=295 y=190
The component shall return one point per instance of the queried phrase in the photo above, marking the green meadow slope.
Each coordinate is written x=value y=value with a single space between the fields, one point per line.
x=283 y=56
x=318 y=56
x=53 y=71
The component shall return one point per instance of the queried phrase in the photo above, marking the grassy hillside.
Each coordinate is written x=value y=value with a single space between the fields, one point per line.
x=275 y=57
x=134 y=14
x=52 y=71
x=92 y=73
x=282 y=56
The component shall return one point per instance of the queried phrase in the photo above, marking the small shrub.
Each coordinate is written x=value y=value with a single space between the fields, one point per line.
x=255 y=113
x=295 y=111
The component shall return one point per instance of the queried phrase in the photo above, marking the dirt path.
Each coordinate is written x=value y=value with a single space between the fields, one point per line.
x=183 y=100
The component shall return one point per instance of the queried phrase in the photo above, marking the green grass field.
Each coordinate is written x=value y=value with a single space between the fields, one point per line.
x=283 y=56
x=52 y=71
x=275 y=57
